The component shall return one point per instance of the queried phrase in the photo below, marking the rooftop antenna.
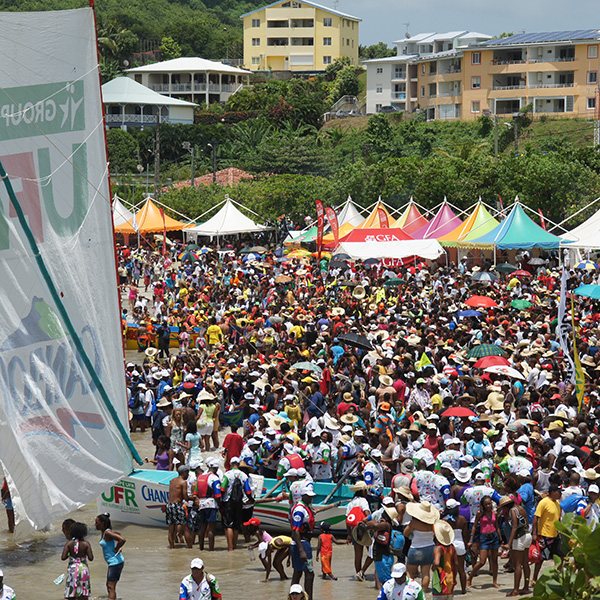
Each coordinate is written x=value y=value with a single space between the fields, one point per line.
x=407 y=34
x=336 y=4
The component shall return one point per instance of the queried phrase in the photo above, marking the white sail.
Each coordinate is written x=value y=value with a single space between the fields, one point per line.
x=61 y=443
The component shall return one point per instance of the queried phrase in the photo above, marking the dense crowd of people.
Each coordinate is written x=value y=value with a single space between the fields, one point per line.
x=458 y=431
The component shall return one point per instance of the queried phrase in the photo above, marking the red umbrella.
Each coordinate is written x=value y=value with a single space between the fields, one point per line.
x=491 y=361
x=458 y=411
x=481 y=301
x=521 y=273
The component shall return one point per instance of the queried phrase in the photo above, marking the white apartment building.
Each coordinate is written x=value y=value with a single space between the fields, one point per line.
x=397 y=81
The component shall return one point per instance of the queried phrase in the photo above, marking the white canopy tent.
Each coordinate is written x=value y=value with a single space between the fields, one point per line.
x=121 y=214
x=428 y=249
x=586 y=235
x=228 y=221
x=349 y=213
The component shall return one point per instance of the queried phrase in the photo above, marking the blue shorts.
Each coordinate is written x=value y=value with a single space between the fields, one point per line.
x=207 y=515
x=8 y=504
x=297 y=564
x=419 y=557
x=384 y=567
x=114 y=572
x=489 y=541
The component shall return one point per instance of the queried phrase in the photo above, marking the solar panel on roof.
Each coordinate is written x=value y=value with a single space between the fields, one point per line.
x=545 y=36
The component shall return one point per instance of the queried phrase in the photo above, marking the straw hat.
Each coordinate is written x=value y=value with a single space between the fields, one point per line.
x=386 y=380
x=338 y=311
x=423 y=511
x=359 y=292
x=151 y=352
x=505 y=501
x=495 y=401
x=590 y=474
x=276 y=422
x=331 y=423
x=359 y=486
x=391 y=512
x=443 y=532
x=405 y=492
x=362 y=535
x=588 y=361
x=413 y=339
x=349 y=419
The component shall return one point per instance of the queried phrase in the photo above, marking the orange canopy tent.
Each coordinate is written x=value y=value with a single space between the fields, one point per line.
x=149 y=220
x=372 y=221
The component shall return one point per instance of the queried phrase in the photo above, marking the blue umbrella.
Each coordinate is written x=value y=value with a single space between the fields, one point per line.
x=469 y=313
x=589 y=291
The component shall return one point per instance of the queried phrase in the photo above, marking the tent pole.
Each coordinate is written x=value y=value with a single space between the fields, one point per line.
x=576 y=213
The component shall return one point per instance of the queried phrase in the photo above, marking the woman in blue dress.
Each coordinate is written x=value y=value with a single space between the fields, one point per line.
x=111 y=543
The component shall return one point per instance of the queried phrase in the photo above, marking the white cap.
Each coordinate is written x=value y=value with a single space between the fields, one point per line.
x=195 y=464
x=197 y=563
x=522 y=449
x=296 y=589
x=469 y=430
x=446 y=465
x=398 y=571
x=376 y=453
x=388 y=501
x=452 y=503
x=347 y=429
x=291 y=473
x=212 y=463
x=307 y=490
x=524 y=472
x=302 y=472
x=448 y=442
x=594 y=489
x=479 y=476
x=234 y=459
x=455 y=440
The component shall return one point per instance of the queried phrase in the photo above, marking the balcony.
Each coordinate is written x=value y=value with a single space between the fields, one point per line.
x=509 y=87
x=398 y=95
x=507 y=61
x=551 y=85
x=177 y=88
x=555 y=59
x=449 y=94
x=135 y=119
x=450 y=70
x=399 y=75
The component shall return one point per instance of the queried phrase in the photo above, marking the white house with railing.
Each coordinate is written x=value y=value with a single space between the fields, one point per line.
x=190 y=78
x=128 y=103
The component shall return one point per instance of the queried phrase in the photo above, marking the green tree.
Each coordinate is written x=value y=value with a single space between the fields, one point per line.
x=169 y=48
x=378 y=50
x=379 y=132
x=336 y=66
x=345 y=84
x=122 y=150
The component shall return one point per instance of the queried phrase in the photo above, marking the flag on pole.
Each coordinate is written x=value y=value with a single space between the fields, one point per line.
x=333 y=223
x=542 y=219
x=579 y=374
x=135 y=225
x=383 y=218
x=423 y=362
x=320 y=225
x=562 y=329
x=162 y=214
x=501 y=204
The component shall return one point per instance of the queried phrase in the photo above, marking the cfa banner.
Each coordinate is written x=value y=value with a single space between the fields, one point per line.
x=59 y=447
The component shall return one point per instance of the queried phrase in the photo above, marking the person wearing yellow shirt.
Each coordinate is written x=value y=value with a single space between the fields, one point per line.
x=297 y=330
x=214 y=334
x=436 y=398
x=547 y=513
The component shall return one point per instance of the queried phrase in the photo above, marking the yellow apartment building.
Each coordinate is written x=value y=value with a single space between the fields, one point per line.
x=556 y=72
x=299 y=36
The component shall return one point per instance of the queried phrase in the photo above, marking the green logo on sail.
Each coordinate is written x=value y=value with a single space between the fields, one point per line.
x=46 y=109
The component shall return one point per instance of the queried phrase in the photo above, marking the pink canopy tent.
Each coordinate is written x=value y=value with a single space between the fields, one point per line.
x=444 y=222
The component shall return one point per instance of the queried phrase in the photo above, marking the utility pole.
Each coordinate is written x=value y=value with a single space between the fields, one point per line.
x=192 y=150
x=157 y=158
x=214 y=150
x=597 y=120
x=516 y=128
x=496 y=136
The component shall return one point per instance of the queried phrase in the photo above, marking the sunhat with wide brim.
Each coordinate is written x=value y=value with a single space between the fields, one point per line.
x=150 y=352
x=361 y=535
x=443 y=532
x=505 y=501
x=386 y=380
x=359 y=486
x=349 y=419
x=391 y=512
x=405 y=492
x=463 y=475
x=423 y=511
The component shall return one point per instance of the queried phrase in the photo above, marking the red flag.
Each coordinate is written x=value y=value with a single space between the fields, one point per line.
x=501 y=205
x=542 y=219
x=333 y=222
x=320 y=225
x=383 y=218
x=162 y=214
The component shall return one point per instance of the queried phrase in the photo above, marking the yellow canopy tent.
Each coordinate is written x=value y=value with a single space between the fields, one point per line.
x=149 y=220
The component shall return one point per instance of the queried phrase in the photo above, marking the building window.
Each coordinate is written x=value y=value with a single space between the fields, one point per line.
x=379 y=89
x=379 y=70
x=591 y=103
x=378 y=107
x=256 y=41
x=256 y=60
x=347 y=42
x=255 y=22
x=326 y=41
x=475 y=83
x=327 y=60
x=422 y=91
x=327 y=22
x=423 y=69
x=592 y=77
x=475 y=106
x=593 y=51
x=476 y=58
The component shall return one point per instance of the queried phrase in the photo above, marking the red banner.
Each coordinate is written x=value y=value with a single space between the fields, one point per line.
x=543 y=223
x=333 y=222
x=383 y=218
x=320 y=225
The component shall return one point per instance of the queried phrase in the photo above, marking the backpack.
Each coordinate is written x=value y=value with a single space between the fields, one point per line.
x=157 y=424
x=136 y=401
x=569 y=504
x=396 y=542
x=355 y=516
x=237 y=491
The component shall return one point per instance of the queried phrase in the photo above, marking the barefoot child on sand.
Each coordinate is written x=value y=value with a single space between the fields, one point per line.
x=266 y=545
x=325 y=549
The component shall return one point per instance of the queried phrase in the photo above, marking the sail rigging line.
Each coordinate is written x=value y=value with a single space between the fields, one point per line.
x=63 y=313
